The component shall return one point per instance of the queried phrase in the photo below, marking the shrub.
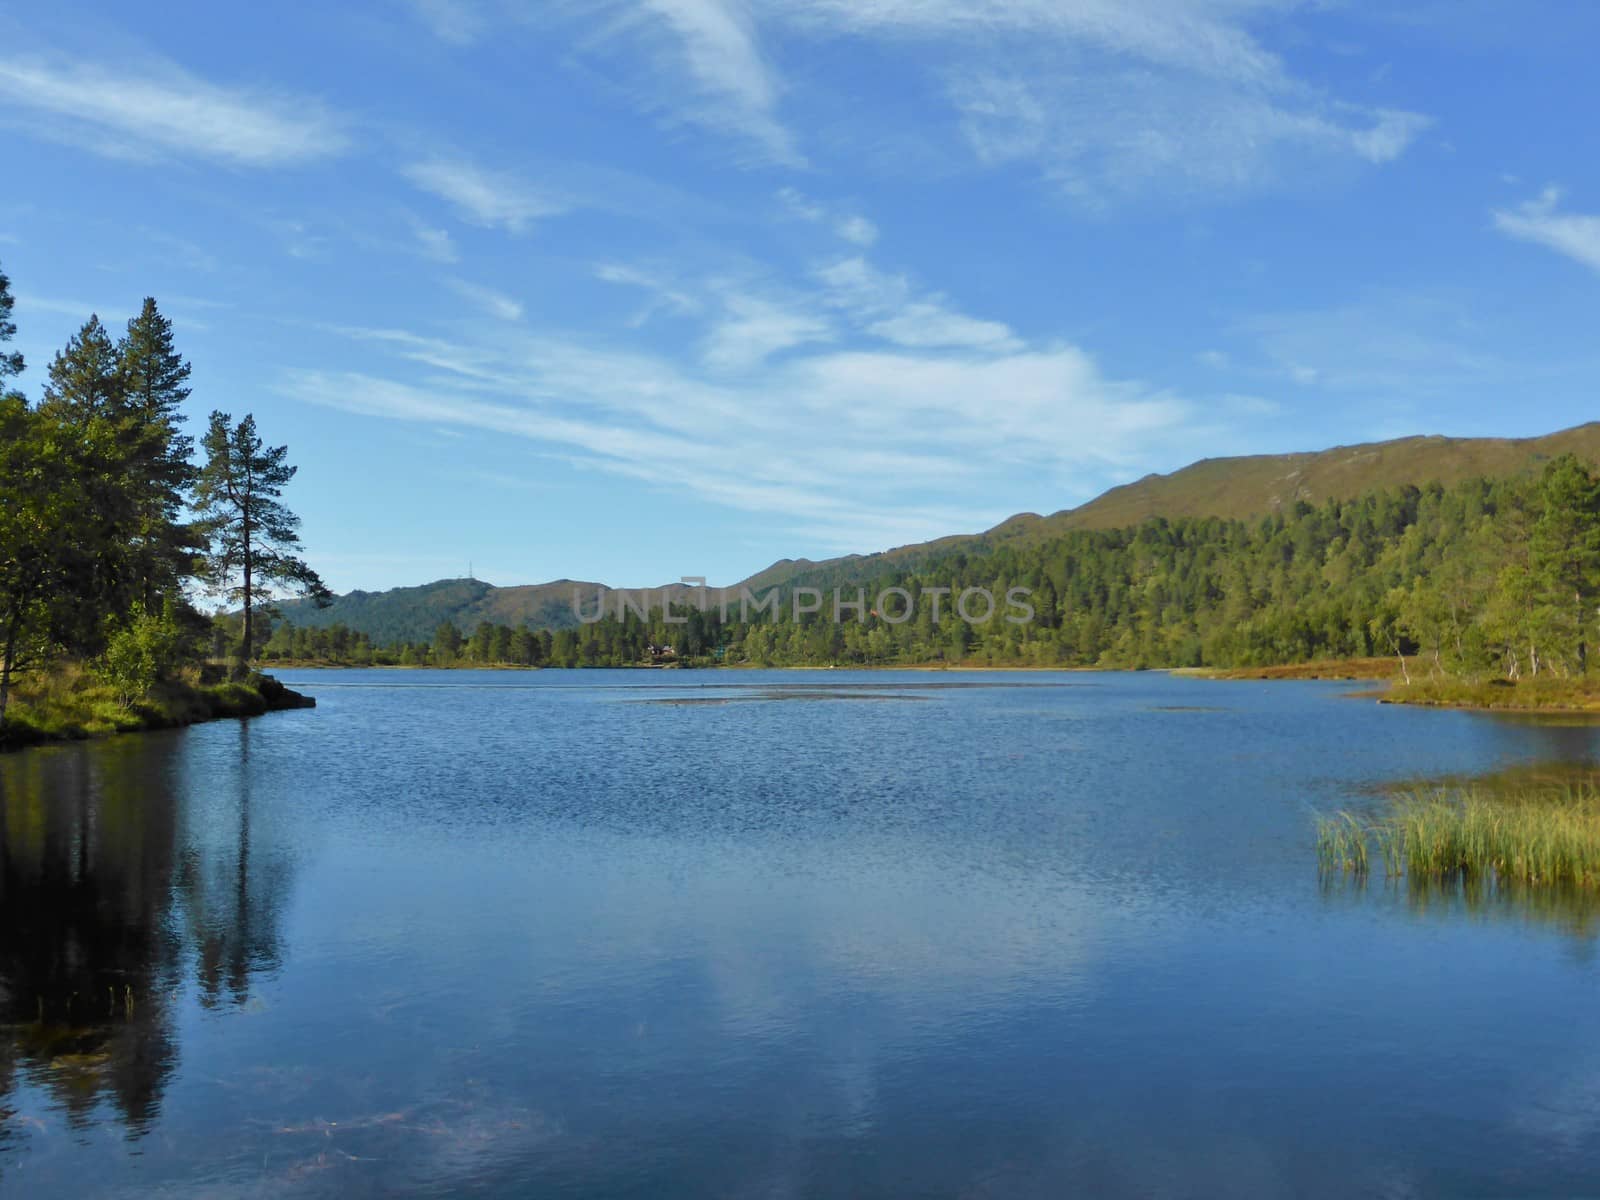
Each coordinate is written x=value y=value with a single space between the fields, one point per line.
x=144 y=650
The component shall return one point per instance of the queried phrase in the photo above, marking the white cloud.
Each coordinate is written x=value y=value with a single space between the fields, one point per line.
x=887 y=307
x=1574 y=234
x=704 y=65
x=917 y=430
x=1105 y=97
x=1100 y=131
x=1109 y=97
x=850 y=227
x=495 y=304
x=487 y=198
x=753 y=328
x=164 y=111
x=1202 y=36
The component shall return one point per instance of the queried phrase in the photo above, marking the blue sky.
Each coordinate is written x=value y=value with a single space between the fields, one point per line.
x=632 y=290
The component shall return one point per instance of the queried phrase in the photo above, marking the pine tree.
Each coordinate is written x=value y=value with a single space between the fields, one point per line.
x=85 y=378
x=252 y=535
x=11 y=363
x=83 y=393
x=154 y=380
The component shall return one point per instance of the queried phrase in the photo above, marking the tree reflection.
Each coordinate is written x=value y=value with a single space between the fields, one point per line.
x=126 y=871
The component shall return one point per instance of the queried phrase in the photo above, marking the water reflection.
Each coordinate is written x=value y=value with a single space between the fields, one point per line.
x=120 y=885
x=1573 y=911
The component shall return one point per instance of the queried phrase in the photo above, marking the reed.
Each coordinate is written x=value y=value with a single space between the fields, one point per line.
x=1537 y=838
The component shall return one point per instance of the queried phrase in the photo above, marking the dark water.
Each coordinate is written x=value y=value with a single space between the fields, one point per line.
x=775 y=934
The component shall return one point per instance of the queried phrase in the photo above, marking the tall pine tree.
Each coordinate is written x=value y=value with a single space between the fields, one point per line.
x=254 y=539
x=154 y=380
x=83 y=393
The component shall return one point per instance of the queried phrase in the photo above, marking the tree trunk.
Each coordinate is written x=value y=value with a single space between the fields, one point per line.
x=249 y=629
x=5 y=684
x=8 y=657
x=1404 y=674
x=249 y=596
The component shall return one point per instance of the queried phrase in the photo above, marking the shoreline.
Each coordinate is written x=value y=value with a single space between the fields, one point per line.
x=1496 y=697
x=171 y=705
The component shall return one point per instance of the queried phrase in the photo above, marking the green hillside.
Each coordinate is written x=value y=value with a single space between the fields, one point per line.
x=1236 y=489
x=411 y=614
x=1232 y=488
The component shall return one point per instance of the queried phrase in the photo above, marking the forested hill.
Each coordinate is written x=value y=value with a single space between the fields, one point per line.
x=1232 y=488
x=1237 y=488
x=413 y=613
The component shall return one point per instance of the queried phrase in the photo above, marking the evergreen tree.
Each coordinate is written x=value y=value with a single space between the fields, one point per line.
x=83 y=394
x=154 y=380
x=11 y=363
x=252 y=535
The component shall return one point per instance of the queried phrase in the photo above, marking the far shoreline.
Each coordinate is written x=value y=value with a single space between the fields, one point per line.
x=1558 y=698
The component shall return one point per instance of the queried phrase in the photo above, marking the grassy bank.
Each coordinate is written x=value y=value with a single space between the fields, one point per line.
x=1329 y=668
x=1546 y=693
x=72 y=703
x=1546 y=837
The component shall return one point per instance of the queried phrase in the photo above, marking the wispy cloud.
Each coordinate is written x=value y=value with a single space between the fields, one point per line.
x=483 y=197
x=1108 y=97
x=848 y=226
x=1576 y=235
x=886 y=306
x=753 y=328
x=164 y=111
x=703 y=64
x=1105 y=97
x=663 y=295
x=495 y=303
x=855 y=407
x=1099 y=131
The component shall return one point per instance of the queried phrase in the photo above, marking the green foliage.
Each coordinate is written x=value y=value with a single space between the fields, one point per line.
x=146 y=648
x=70 y=703
x=154 y=382
x=94 y=555
x=253 y=537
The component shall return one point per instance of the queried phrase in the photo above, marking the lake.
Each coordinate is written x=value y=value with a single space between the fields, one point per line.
x=776 y=934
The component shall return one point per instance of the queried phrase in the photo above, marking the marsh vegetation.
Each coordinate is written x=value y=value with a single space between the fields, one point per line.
x=1532 y=836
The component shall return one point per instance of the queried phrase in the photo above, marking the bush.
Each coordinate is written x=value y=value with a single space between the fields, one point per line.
x=145 y=650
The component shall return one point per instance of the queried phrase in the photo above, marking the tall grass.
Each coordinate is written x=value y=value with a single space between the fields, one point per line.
x=1540 y=838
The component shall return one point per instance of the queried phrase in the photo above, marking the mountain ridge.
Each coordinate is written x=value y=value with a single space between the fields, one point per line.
x=1232 y=487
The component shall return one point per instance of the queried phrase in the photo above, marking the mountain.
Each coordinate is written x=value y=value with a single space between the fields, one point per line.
x=1242 y=487
x=411 y=614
